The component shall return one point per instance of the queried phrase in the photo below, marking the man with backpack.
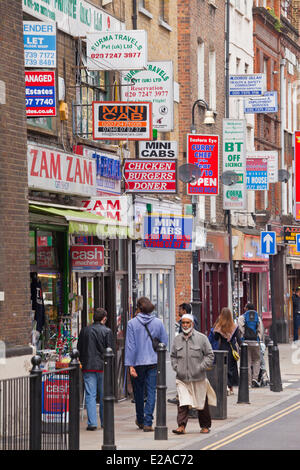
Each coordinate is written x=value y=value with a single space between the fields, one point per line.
x=251 y=329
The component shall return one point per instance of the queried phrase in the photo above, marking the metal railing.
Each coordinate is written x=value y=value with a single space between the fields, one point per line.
x=41 y=411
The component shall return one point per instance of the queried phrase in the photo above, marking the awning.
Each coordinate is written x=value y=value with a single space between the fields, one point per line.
x=255 y=267
x=293 y=261
x=82 y=223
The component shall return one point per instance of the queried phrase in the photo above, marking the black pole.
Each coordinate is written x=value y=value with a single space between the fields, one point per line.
x=196 y=302
x=35 y=423
x=74 y=401
x=243 y=393
x=276 y=379
x=161 y=430
x=108 y=402
x=270 y=349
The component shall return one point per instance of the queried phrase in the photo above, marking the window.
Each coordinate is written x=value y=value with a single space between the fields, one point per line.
x=200 y=70
x=212 y=80
x=91 y=86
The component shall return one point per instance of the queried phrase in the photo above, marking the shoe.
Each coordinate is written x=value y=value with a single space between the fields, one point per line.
x=255 y=384
x=180 y=430
x=174 y=401
x=91 y=428
x=205 y=431
x=141 y=426
x=148 y=428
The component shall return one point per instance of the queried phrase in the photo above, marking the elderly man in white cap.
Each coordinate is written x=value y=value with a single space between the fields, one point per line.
x=191 y=356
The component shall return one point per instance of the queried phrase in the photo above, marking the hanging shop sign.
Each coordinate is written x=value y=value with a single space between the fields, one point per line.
x=272 y=159
x=262 y=104
x=118 y=120
x=247 y=85
x=121 y=50
x=87 y=258
x=55 y=398
x=113 y=209
x=168 y=232
x=150 y=176
x=290 y=233
x=234 y=159
x=108 y=169
x=40 y=93
x=74 y=17
x=39 y=44
x=154 y=84
x=297 y=175
x=257 y=174
x=53 y=170
x=163 y=149
x=203 y=151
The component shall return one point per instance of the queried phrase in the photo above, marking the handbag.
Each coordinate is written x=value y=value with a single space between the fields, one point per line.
x=235 y=354
x=155 y=341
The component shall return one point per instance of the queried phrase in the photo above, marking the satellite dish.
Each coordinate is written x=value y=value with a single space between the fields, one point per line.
x=188 y=173
x=229 y=178
x=283 y=176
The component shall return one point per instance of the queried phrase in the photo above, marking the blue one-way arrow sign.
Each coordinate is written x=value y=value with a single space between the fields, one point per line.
x=268 y=243
x=298 y=242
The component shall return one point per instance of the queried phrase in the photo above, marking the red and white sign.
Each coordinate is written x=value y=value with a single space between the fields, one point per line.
x=87 y=258
x=297 y=175
x=203 y=151
x=113 y=209
x=53 y=170
x=150 y=176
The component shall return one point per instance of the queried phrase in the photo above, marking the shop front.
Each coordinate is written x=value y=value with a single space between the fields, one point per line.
x=251 y=269
x=213 y=278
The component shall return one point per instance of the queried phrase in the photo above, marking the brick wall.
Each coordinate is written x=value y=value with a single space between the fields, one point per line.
x=15 y=322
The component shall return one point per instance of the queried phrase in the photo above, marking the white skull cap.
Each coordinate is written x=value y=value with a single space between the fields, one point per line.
x=188 y=316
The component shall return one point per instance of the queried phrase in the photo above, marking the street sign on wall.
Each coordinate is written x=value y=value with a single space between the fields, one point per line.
x=290 y=233
x=40 y=93
x=272 y=158
x=262 y=104
x=119 y=120
x=247 y=85
x=150 y=176
x=234 y=159
x=154 y=84
x=121 y=50
x=87 y=258
x=257 y=174
x=39 y=44
x=203 y=151
x=163 y=149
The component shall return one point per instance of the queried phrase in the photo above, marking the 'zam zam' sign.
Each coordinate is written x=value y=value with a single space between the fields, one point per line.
x=52 y=170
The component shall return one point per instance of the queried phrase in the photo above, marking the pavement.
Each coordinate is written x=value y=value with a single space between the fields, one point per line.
x=129 y=437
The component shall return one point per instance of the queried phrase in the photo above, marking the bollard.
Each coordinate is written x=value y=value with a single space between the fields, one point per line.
x=243 y=393
x=74 y=401
x=108 y=402
x=161 y=430
x=35 y=424
x=217 y=377
x=276 y=381
x=270 y=349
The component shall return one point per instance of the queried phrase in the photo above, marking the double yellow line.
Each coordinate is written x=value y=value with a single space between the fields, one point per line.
x=253 y=427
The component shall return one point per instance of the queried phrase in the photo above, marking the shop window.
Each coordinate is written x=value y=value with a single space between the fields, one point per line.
x=90 y=86
x=46 y=252
x=42 y=123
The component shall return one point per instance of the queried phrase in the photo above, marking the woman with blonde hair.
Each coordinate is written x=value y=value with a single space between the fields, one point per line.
x=226 y=333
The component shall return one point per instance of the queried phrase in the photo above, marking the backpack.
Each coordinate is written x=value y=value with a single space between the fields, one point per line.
x=251 y=325
x=215 y=343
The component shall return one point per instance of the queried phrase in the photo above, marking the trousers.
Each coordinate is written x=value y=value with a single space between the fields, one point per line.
x=204 y=417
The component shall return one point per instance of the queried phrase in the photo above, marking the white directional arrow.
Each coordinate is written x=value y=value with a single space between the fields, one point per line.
x=268 y=240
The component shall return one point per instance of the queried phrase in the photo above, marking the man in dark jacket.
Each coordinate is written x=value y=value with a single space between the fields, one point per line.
x=92 y=342
x=296 y=312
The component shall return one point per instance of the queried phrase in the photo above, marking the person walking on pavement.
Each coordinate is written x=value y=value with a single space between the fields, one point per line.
x=141 y=359
x=191 y=356
x=251 y=330
x=227 y=334
x=296 y=313
x=92 y=342
x=182 y=310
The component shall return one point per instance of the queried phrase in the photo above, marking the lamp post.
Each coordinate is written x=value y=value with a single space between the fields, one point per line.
x=196 y=302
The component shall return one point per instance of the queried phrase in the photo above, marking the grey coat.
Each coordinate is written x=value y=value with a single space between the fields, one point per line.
x=190 y=359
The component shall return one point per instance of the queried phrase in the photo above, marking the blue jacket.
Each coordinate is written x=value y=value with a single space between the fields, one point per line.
x=138 y=345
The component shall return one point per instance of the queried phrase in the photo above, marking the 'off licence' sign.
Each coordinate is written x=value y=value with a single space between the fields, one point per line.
x=203 y=151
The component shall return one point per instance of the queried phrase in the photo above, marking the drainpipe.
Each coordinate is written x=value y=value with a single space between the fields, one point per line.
x=283 y=118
